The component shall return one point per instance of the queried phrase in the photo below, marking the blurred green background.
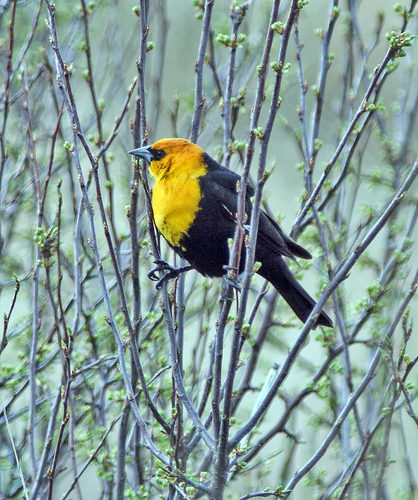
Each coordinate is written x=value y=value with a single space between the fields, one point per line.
x=175 y=30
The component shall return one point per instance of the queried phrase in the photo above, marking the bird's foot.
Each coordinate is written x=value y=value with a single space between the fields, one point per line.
x=227 y=282
x=170 y=272
x=230 y=280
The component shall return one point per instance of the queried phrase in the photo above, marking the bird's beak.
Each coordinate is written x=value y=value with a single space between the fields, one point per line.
x=143 y=153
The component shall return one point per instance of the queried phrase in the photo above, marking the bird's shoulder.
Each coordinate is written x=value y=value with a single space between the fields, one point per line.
x=223 y=181
x=218 y=174
x=220 y=187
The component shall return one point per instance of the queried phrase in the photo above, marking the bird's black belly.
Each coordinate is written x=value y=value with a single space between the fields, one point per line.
x=206 y=243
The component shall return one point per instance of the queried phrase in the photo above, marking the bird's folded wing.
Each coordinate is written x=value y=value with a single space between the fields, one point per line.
x=223 y=185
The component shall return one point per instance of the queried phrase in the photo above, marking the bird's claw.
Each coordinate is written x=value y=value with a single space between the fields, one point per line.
x=170 y=272
x=162 y=265
x=229 y=279
x=227 y=293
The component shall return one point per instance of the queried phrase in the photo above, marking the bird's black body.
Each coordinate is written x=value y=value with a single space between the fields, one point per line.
x=207 y=247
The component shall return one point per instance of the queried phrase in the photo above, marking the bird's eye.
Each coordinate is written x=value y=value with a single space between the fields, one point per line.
x=158 y=154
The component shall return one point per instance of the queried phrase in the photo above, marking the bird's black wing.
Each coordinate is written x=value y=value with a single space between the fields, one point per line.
x=271 y=233
x=222 y=183
x=219 y=202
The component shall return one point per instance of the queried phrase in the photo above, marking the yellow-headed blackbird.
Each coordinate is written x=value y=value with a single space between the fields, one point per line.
x=195 y=203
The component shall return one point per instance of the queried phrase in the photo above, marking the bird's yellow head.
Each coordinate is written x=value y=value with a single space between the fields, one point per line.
x=168 y=157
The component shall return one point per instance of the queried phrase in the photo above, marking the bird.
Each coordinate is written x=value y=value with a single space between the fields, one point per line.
x=194 y=203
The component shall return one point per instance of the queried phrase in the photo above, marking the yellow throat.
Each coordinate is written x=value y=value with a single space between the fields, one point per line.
x=177 y=193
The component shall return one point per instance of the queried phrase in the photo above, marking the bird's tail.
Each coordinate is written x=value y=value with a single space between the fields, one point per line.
x=290 y=289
